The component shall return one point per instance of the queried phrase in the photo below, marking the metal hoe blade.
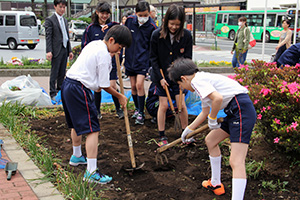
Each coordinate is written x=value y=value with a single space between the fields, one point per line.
x=161 y=158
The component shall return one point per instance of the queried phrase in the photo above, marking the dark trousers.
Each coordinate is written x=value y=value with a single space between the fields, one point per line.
x=279 y=52
x=58 y=71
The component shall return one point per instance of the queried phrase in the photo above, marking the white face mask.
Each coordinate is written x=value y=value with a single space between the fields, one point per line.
x=143 y=20
x=240 y=23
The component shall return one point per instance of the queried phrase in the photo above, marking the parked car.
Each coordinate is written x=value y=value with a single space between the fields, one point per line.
x=76 y=29
x=18 y=28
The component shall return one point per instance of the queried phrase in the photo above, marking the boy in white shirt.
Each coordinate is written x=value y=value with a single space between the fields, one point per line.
x=91 y=72
x=219 y=92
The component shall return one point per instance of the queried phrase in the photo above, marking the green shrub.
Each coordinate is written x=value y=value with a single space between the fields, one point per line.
x=275 y=93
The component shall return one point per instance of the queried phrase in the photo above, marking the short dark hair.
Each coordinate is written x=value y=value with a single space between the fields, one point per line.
x=101 y=7
x=288 y=22
x=56 y=2
x=174 y=12
x=142 y=6
x=121 y=34
x=181 y=67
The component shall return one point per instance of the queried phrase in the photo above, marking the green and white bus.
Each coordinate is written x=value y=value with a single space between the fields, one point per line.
x=226 y=23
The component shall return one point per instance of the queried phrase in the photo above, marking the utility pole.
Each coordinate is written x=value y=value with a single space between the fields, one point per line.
x=69 y=9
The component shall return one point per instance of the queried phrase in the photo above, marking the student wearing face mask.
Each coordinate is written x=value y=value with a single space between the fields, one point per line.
x=137 y=56
x=241 y=42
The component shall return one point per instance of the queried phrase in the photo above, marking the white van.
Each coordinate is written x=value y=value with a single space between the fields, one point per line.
x=18 y=28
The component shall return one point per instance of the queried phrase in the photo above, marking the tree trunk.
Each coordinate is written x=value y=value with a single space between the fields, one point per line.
x=32 y=5
x=45 y=9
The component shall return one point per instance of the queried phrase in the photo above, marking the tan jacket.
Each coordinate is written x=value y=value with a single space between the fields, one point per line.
x=287 y=40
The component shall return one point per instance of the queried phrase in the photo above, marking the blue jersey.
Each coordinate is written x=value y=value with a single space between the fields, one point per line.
x=137 y=55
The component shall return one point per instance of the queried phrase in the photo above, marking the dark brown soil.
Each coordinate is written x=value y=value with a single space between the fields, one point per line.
x=179 y=180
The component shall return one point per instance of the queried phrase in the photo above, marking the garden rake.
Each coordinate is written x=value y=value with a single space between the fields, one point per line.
x=129 y=139
x=161 y=157
x=177 y=123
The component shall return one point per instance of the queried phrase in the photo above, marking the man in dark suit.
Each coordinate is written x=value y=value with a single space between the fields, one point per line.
x=58 y=46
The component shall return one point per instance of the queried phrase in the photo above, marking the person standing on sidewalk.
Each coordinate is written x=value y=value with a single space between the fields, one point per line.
x=58 y=47
x=285 y=39
x=241 y=42
x=94 y=32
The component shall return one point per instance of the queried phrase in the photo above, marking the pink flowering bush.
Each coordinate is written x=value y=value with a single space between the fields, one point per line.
x=275 y=93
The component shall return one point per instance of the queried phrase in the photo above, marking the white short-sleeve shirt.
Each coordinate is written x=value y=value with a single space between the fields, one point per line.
x=93 y=66
x=205 y=83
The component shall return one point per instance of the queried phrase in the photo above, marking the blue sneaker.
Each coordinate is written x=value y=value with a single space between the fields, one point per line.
x=74 y=161
x=96 y=177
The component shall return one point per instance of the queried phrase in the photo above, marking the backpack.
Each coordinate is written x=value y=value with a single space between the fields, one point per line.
x=252 y=42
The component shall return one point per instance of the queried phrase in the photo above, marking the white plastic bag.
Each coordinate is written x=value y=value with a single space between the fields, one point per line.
x=30 y=92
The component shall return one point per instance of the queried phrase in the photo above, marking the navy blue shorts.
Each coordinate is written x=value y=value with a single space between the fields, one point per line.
x=173 y=89
x=240 y=119
x=136 y=72
x=113 y=73
x=79 y=106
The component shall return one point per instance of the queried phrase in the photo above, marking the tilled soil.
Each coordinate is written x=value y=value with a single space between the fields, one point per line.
x=181 y=178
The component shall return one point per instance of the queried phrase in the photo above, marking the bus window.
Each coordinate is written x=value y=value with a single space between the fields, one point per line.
x=255 y=20
x=219 y=19
x=271 y=20
x=1 y=20
x=10 y=20
x=225 y=18
x=233 y=19
x=279 y=20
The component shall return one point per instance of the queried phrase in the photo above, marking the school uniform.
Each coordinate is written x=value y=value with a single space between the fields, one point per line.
x=137 y=55
x=290 y=56
x=94 y=32
x=163 y=53
x=241 y=114
x=89 y=72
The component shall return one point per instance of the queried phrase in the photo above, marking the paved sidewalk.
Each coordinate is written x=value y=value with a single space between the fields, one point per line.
x=26 y=183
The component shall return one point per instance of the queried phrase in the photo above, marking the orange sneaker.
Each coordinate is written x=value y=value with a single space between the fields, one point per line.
x=218 y=190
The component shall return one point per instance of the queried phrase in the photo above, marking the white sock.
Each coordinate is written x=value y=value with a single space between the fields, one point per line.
x=215 y=164
x=91 y=164
x=238 y=188
x=77 y=151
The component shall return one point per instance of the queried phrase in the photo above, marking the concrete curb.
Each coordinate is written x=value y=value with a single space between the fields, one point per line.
x=46 y=72
x=30 y=172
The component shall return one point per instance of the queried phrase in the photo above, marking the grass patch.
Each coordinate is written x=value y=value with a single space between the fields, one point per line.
x=14 y=117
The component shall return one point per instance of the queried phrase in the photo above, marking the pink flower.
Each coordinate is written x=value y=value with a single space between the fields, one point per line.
x=265 y=91
x=255 y=101
x=263 y=109
x=294 y=125
x=269 y=107
x=276 y=140
x=232 y=76
x=240 y=80
x=293 y=87
x=259 y=116
x=277 y=121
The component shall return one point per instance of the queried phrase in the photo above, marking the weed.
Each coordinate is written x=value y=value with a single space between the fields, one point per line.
x=253 y=168
x=275 y=186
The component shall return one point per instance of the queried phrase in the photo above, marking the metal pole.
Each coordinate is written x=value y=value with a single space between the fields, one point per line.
x=194 y=24
x=264 y=33
x=296 y=22
x=118 y=12
x=113 y=10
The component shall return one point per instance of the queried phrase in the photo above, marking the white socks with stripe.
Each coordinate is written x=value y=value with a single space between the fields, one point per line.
x=91 y=165
x=238 y=188
x=215 y=164
x=77 y=151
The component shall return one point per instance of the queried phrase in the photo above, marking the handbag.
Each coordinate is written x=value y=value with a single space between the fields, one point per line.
x=252 y=42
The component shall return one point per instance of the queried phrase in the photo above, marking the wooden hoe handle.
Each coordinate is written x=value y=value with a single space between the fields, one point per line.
x=168 y=93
